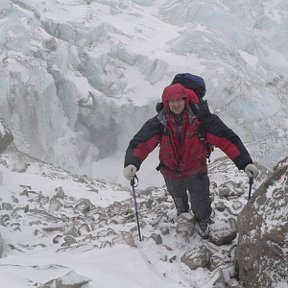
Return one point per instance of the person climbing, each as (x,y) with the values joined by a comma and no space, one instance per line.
(185,130)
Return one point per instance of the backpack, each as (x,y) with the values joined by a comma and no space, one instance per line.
(193,82)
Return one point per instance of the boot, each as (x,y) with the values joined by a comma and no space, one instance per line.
(203,228)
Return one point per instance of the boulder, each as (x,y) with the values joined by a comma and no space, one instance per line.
(70,280)
(262,252)
(197,257)
(223,232)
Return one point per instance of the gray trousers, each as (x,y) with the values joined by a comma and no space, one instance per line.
(198,188)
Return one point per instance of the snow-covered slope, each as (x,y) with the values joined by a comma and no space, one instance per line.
(78,78)
(55,225)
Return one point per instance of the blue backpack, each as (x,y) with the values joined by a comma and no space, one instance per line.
(190,81)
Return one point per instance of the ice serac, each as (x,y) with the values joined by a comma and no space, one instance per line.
(262,252)
(6,137)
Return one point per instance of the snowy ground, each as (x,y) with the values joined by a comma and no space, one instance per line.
(32,256)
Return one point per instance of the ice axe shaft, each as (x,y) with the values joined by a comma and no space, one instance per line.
(134,184)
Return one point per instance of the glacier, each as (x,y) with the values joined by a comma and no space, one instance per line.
(78,78)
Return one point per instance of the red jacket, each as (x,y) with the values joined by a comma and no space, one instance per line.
(180,158)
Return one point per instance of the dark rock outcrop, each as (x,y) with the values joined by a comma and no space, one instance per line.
(262,252)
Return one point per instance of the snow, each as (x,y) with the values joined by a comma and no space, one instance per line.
(99,265)
(109,268)
(250,59)
(35,259)
(116,57)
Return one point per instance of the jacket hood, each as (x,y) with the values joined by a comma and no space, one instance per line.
(177,91)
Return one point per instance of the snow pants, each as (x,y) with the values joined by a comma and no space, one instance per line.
(198,188)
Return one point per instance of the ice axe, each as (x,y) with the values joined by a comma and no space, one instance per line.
(134,183)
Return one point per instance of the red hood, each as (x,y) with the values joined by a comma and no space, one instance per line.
(177,91)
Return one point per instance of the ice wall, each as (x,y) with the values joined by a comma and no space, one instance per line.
(79,78)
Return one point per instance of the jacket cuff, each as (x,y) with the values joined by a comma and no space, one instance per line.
(242,161)
(134,162)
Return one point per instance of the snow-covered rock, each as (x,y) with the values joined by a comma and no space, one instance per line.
(262,252)
(197,257)
(70,280)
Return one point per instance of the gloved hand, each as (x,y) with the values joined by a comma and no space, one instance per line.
(251,170)
(130,171)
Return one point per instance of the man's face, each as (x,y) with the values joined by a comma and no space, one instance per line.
(177,106)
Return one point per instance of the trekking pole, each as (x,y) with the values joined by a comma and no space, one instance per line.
(134,184)
(250,187)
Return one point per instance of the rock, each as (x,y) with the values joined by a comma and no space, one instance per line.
(50,229)
(114,209)
(219,281)
(57,239)
(157,238)
(84,205)
(54,204)
(233,283)
(106,244)
(69,240)
(230,189)
(224,192)
(155,221)
(71,231)
(26,208)
(107,232)
(7,206)
(220,206)
(237,205)
(223,232)
(262,254)
(20,167)
(14,199)
(197,257)
(228,272)
(60,193)
(70,280)
(149,203)
(217,260)
(84,229)
(4,219)
(164,229)
(172,259)
(15,214)
(124,238)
